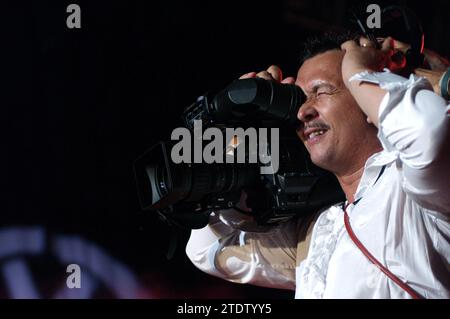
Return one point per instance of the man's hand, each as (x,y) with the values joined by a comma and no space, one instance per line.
(435,68)
(392,56)
(433,77)
(363,56)
(273,73)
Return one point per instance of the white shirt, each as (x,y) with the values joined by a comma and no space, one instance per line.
(402,218)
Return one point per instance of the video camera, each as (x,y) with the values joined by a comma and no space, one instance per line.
(186,193)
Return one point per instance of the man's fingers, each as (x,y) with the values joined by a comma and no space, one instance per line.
(436,62)
(249,75)
(366,43)
(288,80)
(422,72)
(396,59)
(265,75)
(275,72)
(401,46)
(388,46)
(432,76)
(348,45)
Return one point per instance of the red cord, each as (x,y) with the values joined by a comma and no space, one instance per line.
(373,260)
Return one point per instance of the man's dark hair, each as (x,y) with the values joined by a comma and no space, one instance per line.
(325,42)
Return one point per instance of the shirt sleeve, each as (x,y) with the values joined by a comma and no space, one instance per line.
(414,125)
(265,259)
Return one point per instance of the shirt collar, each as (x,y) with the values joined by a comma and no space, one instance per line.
(372,170)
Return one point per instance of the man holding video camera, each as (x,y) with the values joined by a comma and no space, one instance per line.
(386,139)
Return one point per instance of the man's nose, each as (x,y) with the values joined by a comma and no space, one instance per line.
(306,113)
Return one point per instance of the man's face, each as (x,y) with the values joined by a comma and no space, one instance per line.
(333,126)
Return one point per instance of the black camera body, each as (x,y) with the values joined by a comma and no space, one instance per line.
(183,192)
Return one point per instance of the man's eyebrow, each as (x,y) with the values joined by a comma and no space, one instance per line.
(317,85)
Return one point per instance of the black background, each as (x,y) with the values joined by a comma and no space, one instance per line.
(78,106)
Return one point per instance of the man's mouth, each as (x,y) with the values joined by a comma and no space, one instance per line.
(314,134)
